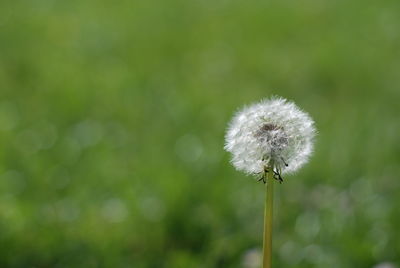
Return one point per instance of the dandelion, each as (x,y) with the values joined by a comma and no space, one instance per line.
(269,139)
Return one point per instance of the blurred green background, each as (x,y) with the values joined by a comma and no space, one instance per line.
(112,122)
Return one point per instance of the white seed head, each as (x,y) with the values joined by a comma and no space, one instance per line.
(272,133)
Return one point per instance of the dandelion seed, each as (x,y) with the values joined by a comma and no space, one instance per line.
(273,133)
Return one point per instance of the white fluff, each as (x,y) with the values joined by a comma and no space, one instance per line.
(271,133)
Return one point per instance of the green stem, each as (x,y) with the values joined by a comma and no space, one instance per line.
(269,200)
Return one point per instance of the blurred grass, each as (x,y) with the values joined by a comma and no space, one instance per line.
(112,117)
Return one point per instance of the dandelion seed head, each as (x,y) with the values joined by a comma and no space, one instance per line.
(272,133)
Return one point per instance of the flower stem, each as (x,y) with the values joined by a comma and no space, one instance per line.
(269,200)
